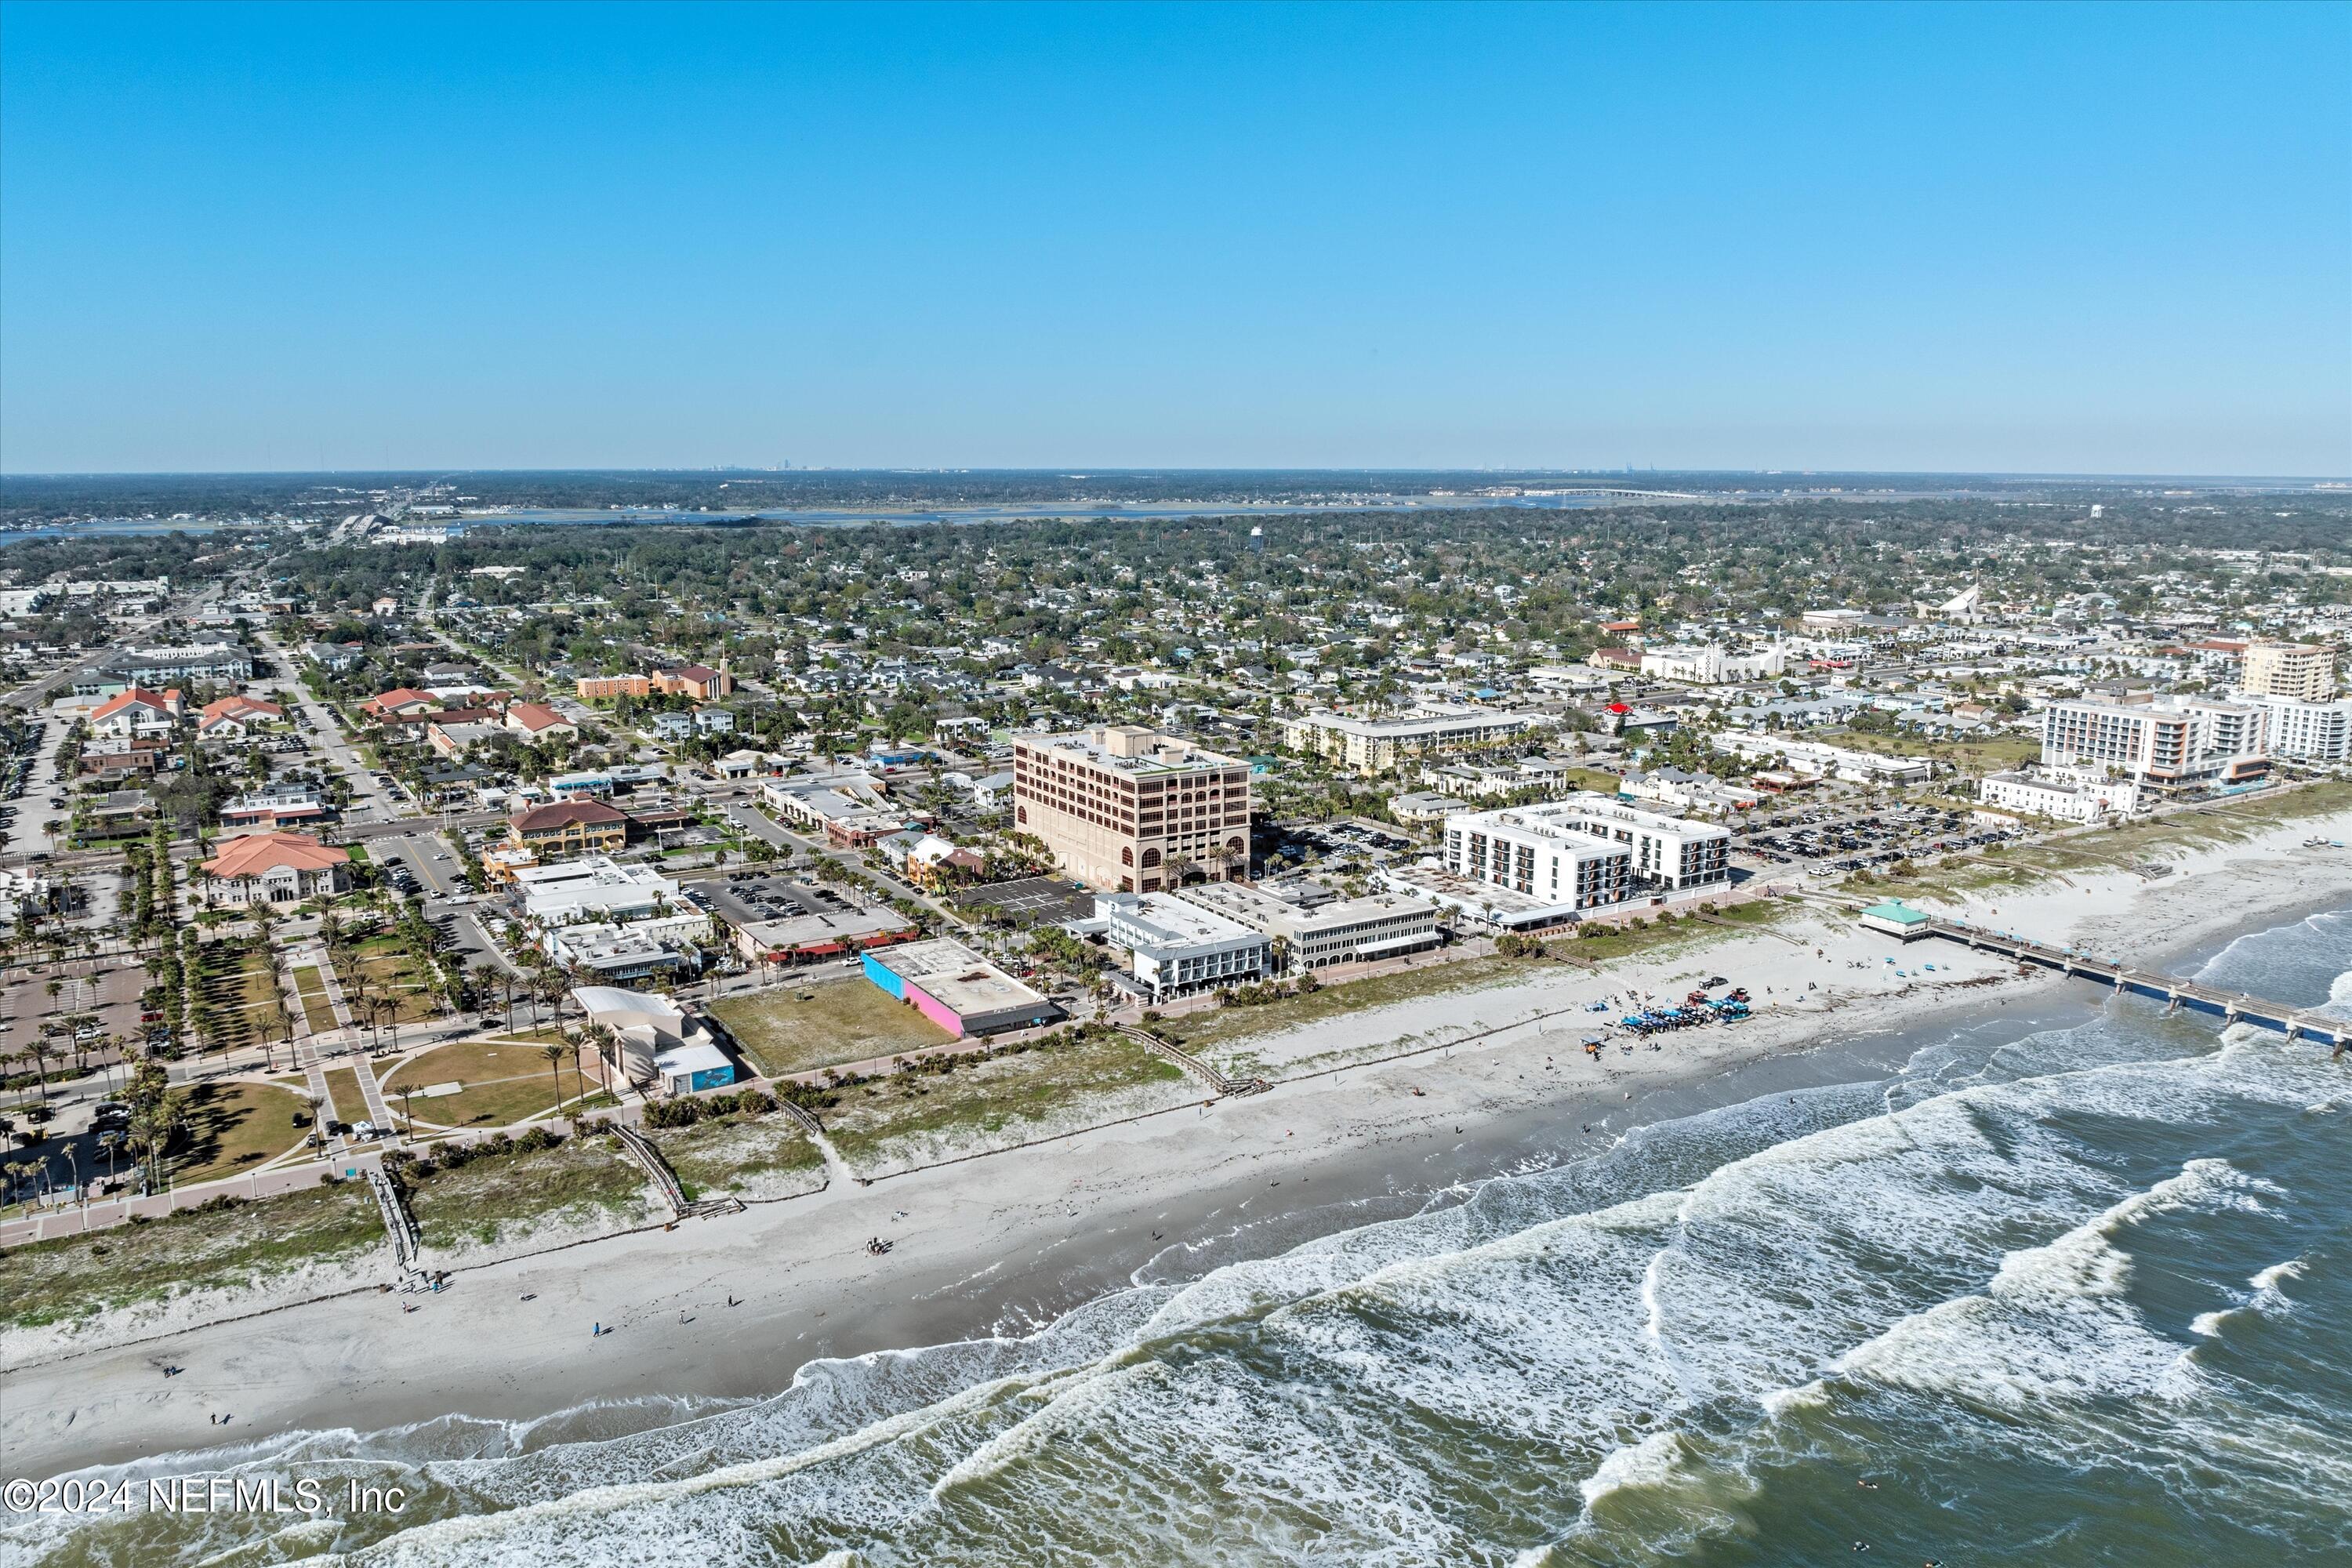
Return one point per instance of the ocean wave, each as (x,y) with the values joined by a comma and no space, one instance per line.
(1648,1463)
(2263,1298)
(2050,1323)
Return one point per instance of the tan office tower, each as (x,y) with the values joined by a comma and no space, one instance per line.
(2289,669)
(1126,808)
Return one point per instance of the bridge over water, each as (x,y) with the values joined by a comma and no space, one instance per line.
(2230,1007)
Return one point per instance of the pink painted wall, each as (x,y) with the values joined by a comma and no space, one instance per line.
(933,1010)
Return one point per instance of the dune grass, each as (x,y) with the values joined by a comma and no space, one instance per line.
(1008,1098)
(236,1243)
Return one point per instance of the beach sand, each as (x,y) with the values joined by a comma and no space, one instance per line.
(1005,1242)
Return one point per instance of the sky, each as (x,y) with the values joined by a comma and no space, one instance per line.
(2012,238)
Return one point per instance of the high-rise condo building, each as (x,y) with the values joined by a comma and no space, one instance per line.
(2304,670)
(1125,808)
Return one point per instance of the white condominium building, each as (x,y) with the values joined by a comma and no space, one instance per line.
(1587,851)
(2309,732)
(1179,946)
(1711,665)
(2302,670)
(2186,742)
(1378,745)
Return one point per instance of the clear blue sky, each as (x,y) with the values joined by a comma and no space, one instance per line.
(2020,237)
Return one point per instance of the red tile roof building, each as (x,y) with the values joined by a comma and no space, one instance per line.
(275,868)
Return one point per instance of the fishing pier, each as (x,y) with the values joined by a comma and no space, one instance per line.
(2230,1006)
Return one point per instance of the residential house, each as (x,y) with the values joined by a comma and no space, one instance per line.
(401,701)
(235,718)
(537,721)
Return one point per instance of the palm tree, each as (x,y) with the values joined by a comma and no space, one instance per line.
(578,1041)
(554,1052)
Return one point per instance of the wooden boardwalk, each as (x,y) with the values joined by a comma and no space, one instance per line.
(2230,1007)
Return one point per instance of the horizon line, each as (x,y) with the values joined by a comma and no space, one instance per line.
(1085,470)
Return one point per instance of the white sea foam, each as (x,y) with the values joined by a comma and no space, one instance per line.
(1647,1463)
(1779,1401)
(2050,1323)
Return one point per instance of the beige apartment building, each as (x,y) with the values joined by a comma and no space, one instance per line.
(1381,745)
(1125,808)
(2300,670)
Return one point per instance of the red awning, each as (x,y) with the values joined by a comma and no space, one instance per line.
(819,949)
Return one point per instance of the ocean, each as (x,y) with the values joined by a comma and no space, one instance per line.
(2050,1295)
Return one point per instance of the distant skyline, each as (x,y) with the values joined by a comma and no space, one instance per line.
(1903,240)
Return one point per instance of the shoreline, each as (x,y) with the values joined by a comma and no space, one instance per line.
(1003,1243)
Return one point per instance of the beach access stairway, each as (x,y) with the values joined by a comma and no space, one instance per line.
(399,1225)
(2231,1006)
(640,1148)
(1227,1087)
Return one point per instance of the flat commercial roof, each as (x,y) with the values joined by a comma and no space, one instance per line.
(957,978)
(682,1060)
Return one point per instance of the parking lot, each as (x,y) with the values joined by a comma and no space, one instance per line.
(1031,901)
(109,997)
(1291,845)
(419,862)
(1826,839)
(745,898)
(24,744)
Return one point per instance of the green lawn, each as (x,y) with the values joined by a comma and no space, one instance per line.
(1012,1096)
(504,1084)
(56,1281)
(495,1199)
(316,1010)
(238,982)
(764,1156)
(344,1087)
(380,967)
(1976,754)
(235,1127)
(841,1021)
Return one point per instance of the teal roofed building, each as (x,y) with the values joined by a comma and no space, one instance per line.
(1896,919)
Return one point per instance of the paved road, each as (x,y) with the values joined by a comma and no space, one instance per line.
(370,800)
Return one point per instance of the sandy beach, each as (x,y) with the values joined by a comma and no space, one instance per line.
(1000,1243)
